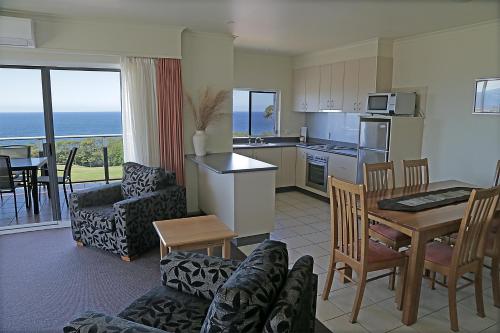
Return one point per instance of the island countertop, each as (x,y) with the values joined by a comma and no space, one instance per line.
(230,163)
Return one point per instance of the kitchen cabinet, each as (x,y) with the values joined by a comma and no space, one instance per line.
(244,152)
(331,89)
(360,78)
(342,167)
(288,160)
(271,156)
(300,168)
(306,83)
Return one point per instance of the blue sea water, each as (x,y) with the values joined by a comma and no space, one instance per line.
(260,125)
(23,124)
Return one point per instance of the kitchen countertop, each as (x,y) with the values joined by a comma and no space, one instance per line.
(353,152)
(230,163)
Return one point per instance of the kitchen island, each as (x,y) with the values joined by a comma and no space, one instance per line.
(240,191)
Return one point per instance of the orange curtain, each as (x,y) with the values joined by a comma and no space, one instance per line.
(170,127)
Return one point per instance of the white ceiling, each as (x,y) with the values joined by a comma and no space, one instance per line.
(284,26)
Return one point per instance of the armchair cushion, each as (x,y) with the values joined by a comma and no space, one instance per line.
(292,309)
(139,179)
(169,310)
(195,273)
(100,217)
(243,302)
(94,322)
(96,196)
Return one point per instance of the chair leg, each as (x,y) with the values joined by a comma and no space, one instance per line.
(25,188)
(329,276)
(15,205)
(359,296)
(452,302)
(65,194)
(478,285)
(71,186)
(392,279)
(495,281)
(400,291)
(432,281)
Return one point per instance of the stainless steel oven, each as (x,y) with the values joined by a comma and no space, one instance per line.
(317,172)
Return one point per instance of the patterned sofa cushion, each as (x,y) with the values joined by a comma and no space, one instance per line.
(288,306)
(243,302)
(139,179)
(169,310)
(99,217)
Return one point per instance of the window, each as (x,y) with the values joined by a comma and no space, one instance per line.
(487,99)
(255,113)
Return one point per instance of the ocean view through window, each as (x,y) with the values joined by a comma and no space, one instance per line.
(86,113)
(255,113)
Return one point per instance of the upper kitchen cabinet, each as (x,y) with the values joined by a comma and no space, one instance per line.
(306,83)
(331,87)
(360,79)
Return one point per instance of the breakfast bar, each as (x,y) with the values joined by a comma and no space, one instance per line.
(240,191)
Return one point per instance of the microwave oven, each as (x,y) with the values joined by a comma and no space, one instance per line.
(394,104)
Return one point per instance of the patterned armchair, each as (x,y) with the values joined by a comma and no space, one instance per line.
(118,217)
(209,294)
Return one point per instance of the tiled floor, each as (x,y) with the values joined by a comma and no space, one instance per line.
(26,216)
(303,223)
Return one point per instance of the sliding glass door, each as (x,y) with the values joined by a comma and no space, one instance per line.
(71,119)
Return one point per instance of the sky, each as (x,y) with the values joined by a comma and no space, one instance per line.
(259,101)
(72,91)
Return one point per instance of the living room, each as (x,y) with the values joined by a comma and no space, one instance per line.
(226,131)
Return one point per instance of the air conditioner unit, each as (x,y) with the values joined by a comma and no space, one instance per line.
(16,32)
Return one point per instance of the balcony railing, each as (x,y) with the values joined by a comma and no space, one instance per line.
(98,158)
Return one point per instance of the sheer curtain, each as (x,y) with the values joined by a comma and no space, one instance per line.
(139,111)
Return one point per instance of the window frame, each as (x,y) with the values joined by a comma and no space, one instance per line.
(277,103)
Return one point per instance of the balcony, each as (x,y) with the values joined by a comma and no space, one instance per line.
(98,160)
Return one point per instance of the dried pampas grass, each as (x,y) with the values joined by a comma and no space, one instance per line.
(209,105)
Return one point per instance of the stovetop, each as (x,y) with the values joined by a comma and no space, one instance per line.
(331,148)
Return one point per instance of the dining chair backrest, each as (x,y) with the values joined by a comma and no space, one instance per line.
(6,180)
(496,181)
(349,219)
(416,172)
(16,151)
(69,163)
(470,243)
(378,176)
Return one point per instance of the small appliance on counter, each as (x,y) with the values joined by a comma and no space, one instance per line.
(303,134)
(393,104)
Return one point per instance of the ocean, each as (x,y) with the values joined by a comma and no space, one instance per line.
(22,124)
(260,125)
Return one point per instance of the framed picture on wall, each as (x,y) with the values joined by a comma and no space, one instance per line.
(487,96)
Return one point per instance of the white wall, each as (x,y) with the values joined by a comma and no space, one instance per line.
(459,145)
(207,60)
(265,71)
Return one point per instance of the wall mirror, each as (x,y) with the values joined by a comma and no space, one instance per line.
(487,96)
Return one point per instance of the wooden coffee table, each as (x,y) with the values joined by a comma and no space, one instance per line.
(193,233)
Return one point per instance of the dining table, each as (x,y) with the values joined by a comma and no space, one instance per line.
(422,226)
(31,166)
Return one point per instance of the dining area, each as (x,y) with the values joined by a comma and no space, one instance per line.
(421,235)
(23,178)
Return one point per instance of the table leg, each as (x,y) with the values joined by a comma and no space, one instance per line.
(34,190)
(226,249)
(414,278)
(164,250)
(209,251)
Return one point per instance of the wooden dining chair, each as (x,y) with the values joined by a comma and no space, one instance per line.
(7,184)
(416,172)
(468,253)
(351,244)
(379,177)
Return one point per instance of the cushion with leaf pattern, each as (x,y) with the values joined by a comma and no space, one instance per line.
(286,314)
(243,302)
(139,179)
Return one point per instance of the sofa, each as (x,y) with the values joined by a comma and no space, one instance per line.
(200,293)
(118,217)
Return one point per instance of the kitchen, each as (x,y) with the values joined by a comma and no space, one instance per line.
(328,96)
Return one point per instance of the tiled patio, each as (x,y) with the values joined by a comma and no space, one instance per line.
(26,216)
(303,223)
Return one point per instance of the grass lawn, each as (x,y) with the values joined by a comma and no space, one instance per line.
(82,173)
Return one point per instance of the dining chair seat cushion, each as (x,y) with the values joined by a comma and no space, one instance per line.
(389,232)
(378,253)
(140,179)
(99,217)
(439,253)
